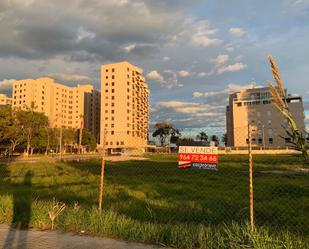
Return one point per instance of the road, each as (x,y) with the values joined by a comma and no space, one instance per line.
(32,239)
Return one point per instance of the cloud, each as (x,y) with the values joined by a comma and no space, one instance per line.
(222,95)
(154,75)
(6,85)
(129,48)
(184,73)
(189,114)
(221,59)
(237,31)
(197,94)
(70,77)
(232,68)
(166,58)
(166,79)
(91,28)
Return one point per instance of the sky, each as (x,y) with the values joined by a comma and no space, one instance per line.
(194,53)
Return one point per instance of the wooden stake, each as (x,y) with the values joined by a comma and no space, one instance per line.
(251,178)
(102,173)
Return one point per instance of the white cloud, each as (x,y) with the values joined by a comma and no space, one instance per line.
(197,94)
(232,68)
(166,58)
(229,49)
(167,78)
(184,73)
(154,75)
(222,58)
(223,94)
(129,48)
(201,35)
(70,77)
(237,31)
(6,85)
(204,41)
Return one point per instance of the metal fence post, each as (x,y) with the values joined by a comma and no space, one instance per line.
(251,177)
(102,172)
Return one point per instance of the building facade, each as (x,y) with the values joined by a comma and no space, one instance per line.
(69,107)
(124,107)
(255,107)
(5,100)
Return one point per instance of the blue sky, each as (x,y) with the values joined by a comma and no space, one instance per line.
(194,53)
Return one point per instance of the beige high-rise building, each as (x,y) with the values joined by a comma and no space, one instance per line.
(255,107)
(69,107)
(5,100)
(124,107)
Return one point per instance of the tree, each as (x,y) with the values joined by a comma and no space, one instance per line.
(298,138)
(165,130)
(215,139)
(89,140)
(224,139)
(202,136)
(185,141)
(31,122)
(69,138)
(11,132)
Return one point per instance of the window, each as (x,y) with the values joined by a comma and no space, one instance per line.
(113,69)
(113,97)
(113,83)
(112,132)
(260,140)
(113,90)
(113,76)
(106,70)
(113,111)
(269,122)
(268,113)
(239,104)
(271,140)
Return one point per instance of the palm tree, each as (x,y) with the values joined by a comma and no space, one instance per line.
(202,136)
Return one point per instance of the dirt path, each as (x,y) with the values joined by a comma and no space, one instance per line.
(31,239)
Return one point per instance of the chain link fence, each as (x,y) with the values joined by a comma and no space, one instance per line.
(146,185)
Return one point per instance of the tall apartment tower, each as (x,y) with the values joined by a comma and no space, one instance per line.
(5,100)
(124,107)
(69,107)
(255,107)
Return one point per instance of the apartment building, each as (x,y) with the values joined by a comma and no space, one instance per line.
(124,107)
(255,107)
(69,107)
(5,100)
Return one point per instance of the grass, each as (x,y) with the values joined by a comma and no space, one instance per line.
(153,201)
